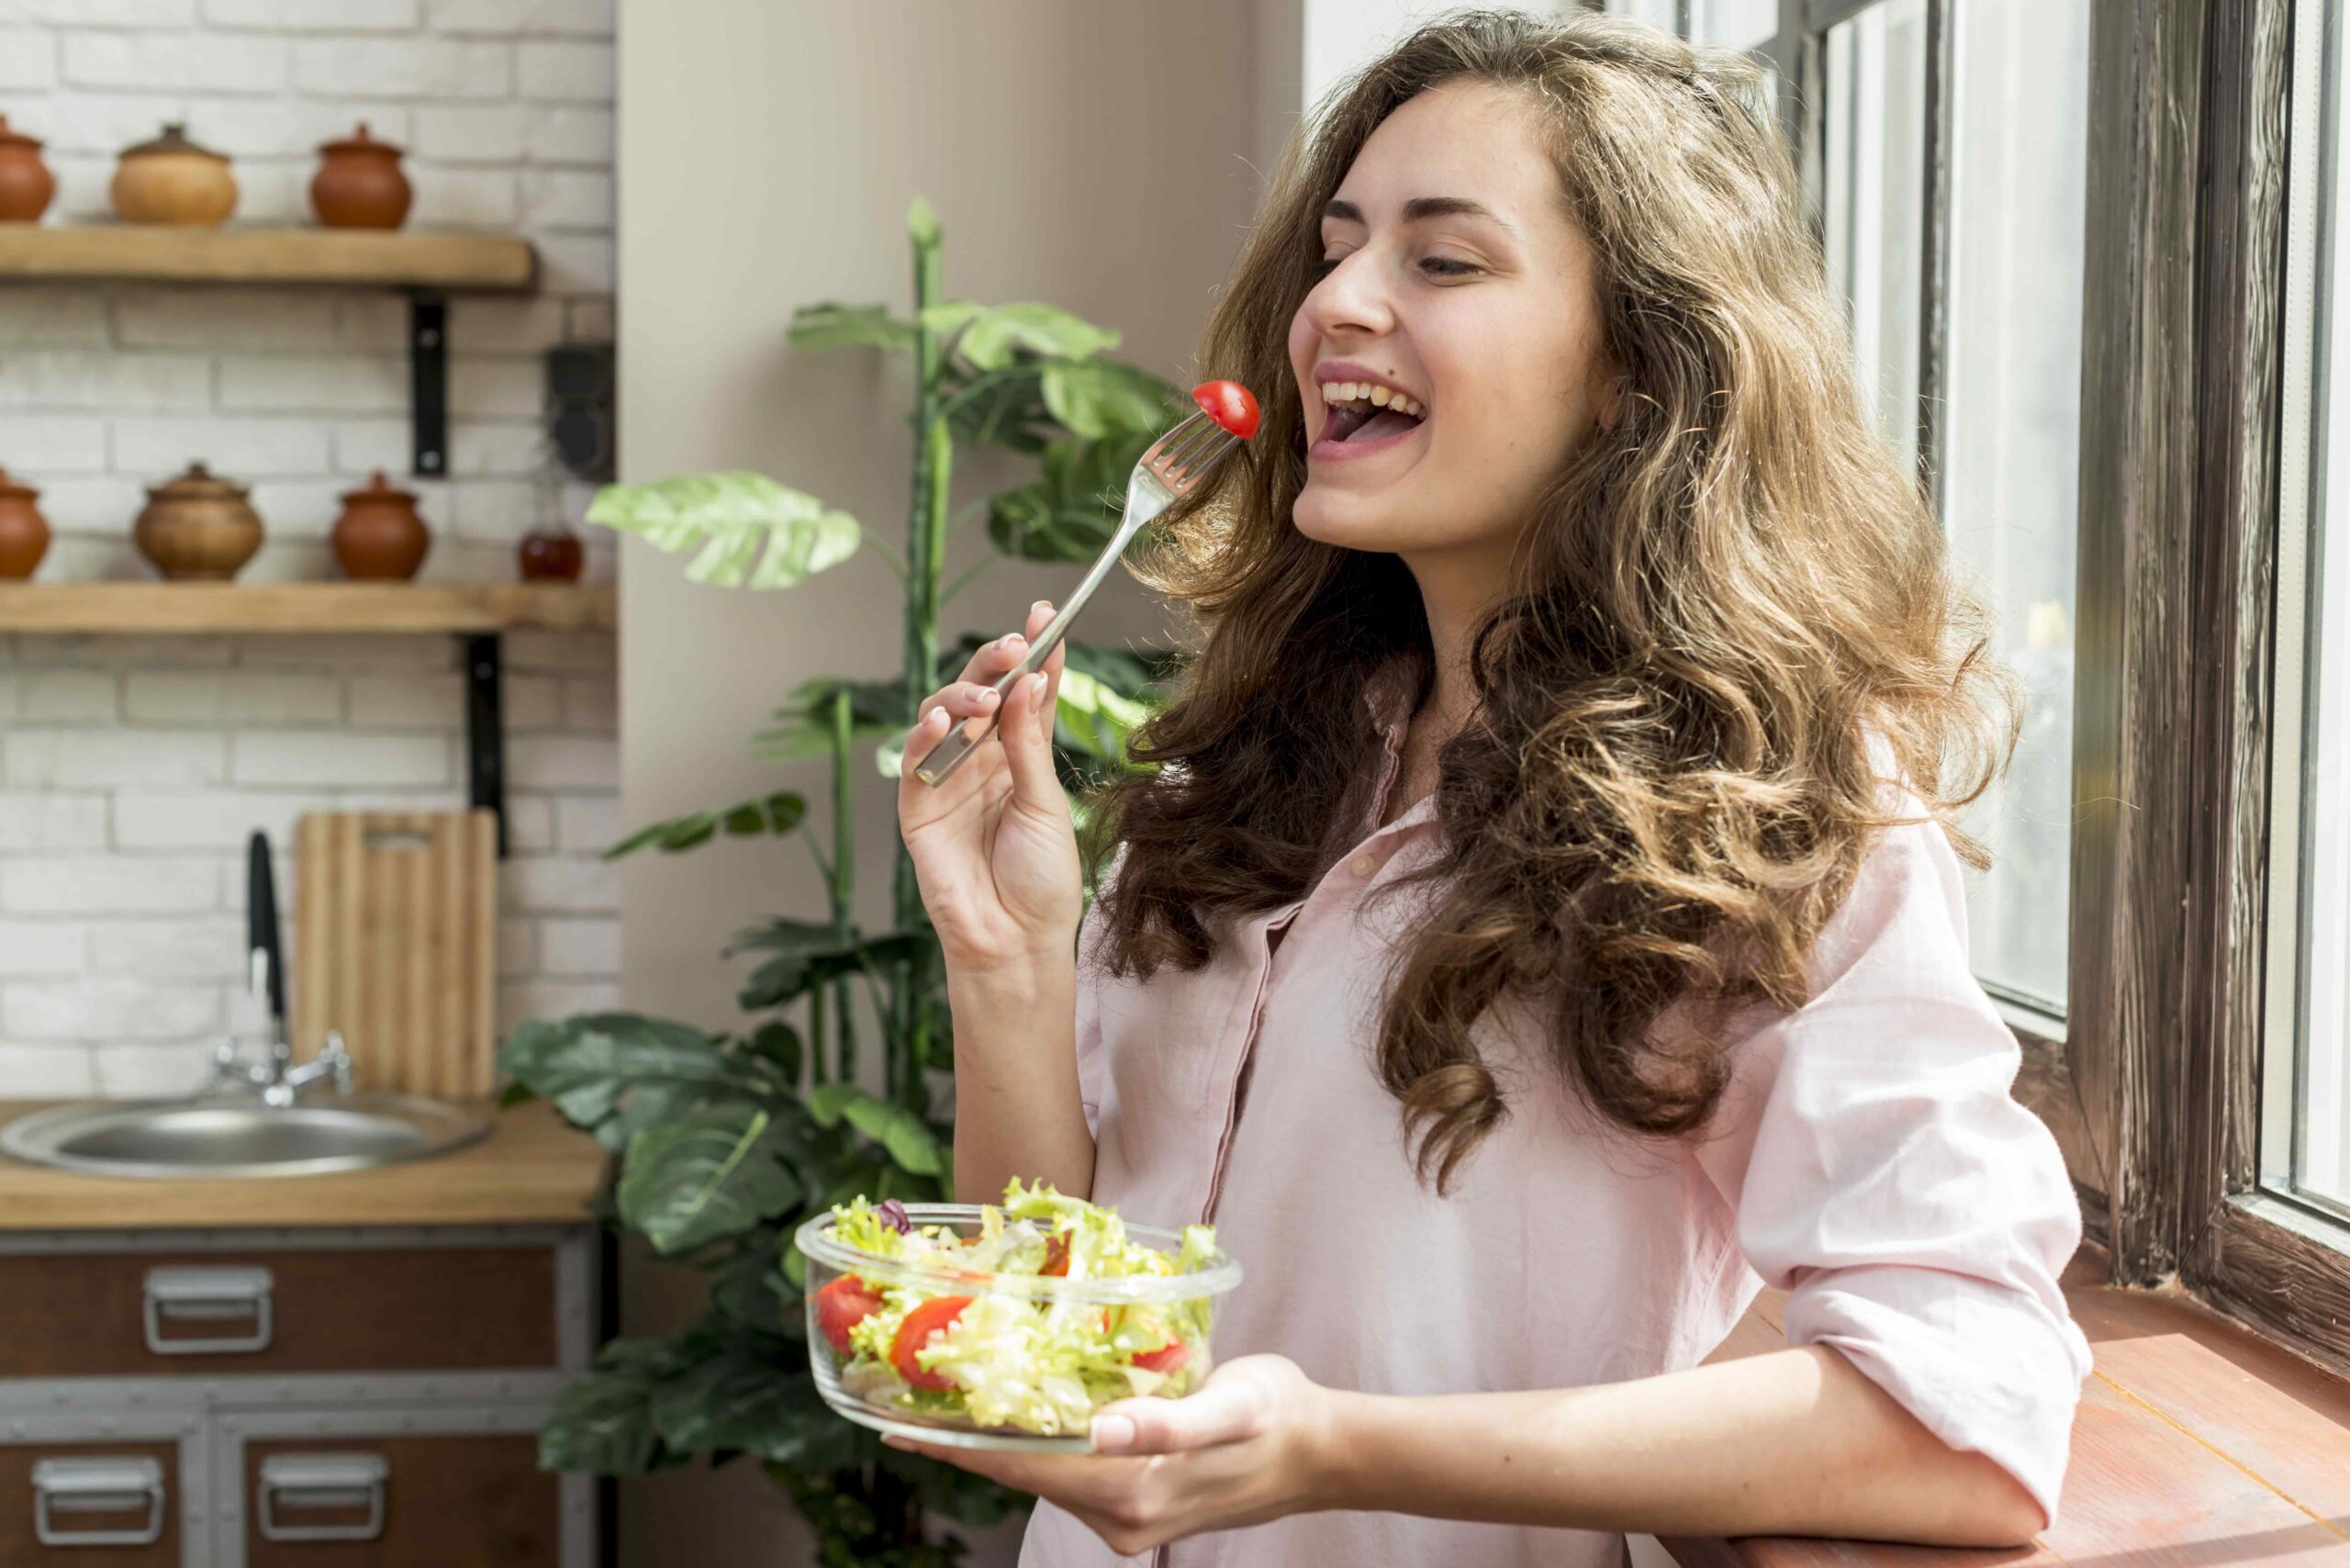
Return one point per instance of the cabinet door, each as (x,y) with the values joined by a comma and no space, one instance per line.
(396,1309)
(103,1504)
(400,1502)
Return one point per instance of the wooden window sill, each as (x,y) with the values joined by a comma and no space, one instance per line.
(2197,1443)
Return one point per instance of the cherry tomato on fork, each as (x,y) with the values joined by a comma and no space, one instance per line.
(1229,404)
(930,1318)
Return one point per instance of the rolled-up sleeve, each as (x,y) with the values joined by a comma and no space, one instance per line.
(1882,1172)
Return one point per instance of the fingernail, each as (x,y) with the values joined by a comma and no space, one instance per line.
(987,696)
(1015,640)
(1041,604)
(1112,1434)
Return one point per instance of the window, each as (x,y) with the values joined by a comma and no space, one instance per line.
(1874,123)
(2305,1131)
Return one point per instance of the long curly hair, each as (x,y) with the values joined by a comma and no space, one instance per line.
(1723,603)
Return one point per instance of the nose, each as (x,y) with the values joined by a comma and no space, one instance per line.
(1351,300)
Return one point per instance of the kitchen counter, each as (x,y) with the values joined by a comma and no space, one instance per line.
(533,1168)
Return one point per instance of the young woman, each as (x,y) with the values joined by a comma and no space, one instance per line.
(1542,926)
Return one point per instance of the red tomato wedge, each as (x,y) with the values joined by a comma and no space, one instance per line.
(841,1306)
(1229,404)
(1165,1359)
(914,1333)
(1055,1256)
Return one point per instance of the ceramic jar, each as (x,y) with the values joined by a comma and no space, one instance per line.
(359,184)
(379,537)
(24,532)
(198,526)
(172,180)
(25,184)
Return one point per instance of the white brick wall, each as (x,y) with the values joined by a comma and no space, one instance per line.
(505,108)
(132,768)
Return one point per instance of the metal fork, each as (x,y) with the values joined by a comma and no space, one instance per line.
(1172,468)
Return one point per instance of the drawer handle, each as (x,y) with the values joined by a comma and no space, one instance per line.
(207,1295)
(64,1486)
(321,1480)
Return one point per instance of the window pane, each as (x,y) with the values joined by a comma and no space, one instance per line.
(1734,24)
(1875,103)
(2305,1054)
(2012,440)
(1665,14)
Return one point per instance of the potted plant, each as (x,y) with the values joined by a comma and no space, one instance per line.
(727,1142)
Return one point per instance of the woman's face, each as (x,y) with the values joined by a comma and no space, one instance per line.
(1453,279)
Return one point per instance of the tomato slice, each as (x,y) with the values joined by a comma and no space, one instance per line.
(1056,1256)
(1165,1359)
(841,1306)
(915,1332)
(1229,404)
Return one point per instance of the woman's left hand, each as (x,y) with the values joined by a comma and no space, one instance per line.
(1246,1448)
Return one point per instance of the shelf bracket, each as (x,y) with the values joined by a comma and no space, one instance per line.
(485,730)
(428,360)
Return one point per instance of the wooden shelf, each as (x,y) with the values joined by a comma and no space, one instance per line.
(294,607)
(457,264)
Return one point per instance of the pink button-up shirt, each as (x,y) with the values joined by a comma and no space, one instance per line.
(1868,1158)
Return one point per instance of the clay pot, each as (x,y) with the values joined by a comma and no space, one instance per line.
(359,184)
(172,180)
(551,556)
(24,532)
(25,184)
(198,526)
(379,538)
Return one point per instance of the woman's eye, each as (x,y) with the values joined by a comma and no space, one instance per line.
(1445,266)
(1325,266)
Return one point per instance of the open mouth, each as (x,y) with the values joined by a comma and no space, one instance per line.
(1361,414)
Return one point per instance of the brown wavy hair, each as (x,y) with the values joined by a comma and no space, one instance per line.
(1667,788)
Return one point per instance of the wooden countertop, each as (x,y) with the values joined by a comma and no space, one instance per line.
(530,1170)
(2197,1442)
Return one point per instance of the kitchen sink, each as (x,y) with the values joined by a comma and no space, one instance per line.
(239,1135)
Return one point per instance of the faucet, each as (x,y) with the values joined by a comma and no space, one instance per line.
(278,1078)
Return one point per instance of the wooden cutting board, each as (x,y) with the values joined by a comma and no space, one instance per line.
(396,946)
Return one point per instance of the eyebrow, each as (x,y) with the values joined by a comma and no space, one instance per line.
(1420,209)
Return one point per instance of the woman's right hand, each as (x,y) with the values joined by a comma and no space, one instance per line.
(992,844)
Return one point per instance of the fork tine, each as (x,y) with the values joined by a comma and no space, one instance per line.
(1181,433)
(1183,482)
(1196,445)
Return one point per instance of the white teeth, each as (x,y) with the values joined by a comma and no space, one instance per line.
(1337,392)
(1382,395)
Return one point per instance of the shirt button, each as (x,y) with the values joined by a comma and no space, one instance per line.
(1364,865)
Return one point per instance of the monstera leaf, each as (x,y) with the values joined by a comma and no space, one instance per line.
(803,725)
(1099,398)
(745,530)
(611,1074)
(1071,509)
(715,1172)
(779,813)
(816,327)
(986,337)
(906,1136)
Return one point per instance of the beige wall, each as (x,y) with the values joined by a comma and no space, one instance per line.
(1099,154)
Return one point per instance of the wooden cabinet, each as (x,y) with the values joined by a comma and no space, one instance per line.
(105,1315)
(289,1400)
(93,1505)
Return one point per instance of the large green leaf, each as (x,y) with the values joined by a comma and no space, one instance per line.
(1100,398)
(816,327)
(774,813)
(806,955)
(612,1073)
(740,1401)
(745,528)
(986,337)
(716,1171)
(1071,509)
(750,1290)
(1001,408)
(601,1424)
(906,1136)
(803,725)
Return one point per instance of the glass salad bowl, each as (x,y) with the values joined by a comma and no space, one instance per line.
(1004,1327)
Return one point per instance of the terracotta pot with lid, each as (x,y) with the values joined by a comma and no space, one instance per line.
(172,180)
(24,532)
(197,528)
(359,184)
(25,184)
(379,537)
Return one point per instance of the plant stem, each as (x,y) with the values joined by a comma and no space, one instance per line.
(925,557)
(844,869)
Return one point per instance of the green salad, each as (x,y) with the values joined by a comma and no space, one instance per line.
(958,1349)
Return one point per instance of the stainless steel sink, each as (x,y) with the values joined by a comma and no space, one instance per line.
(235,1135)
